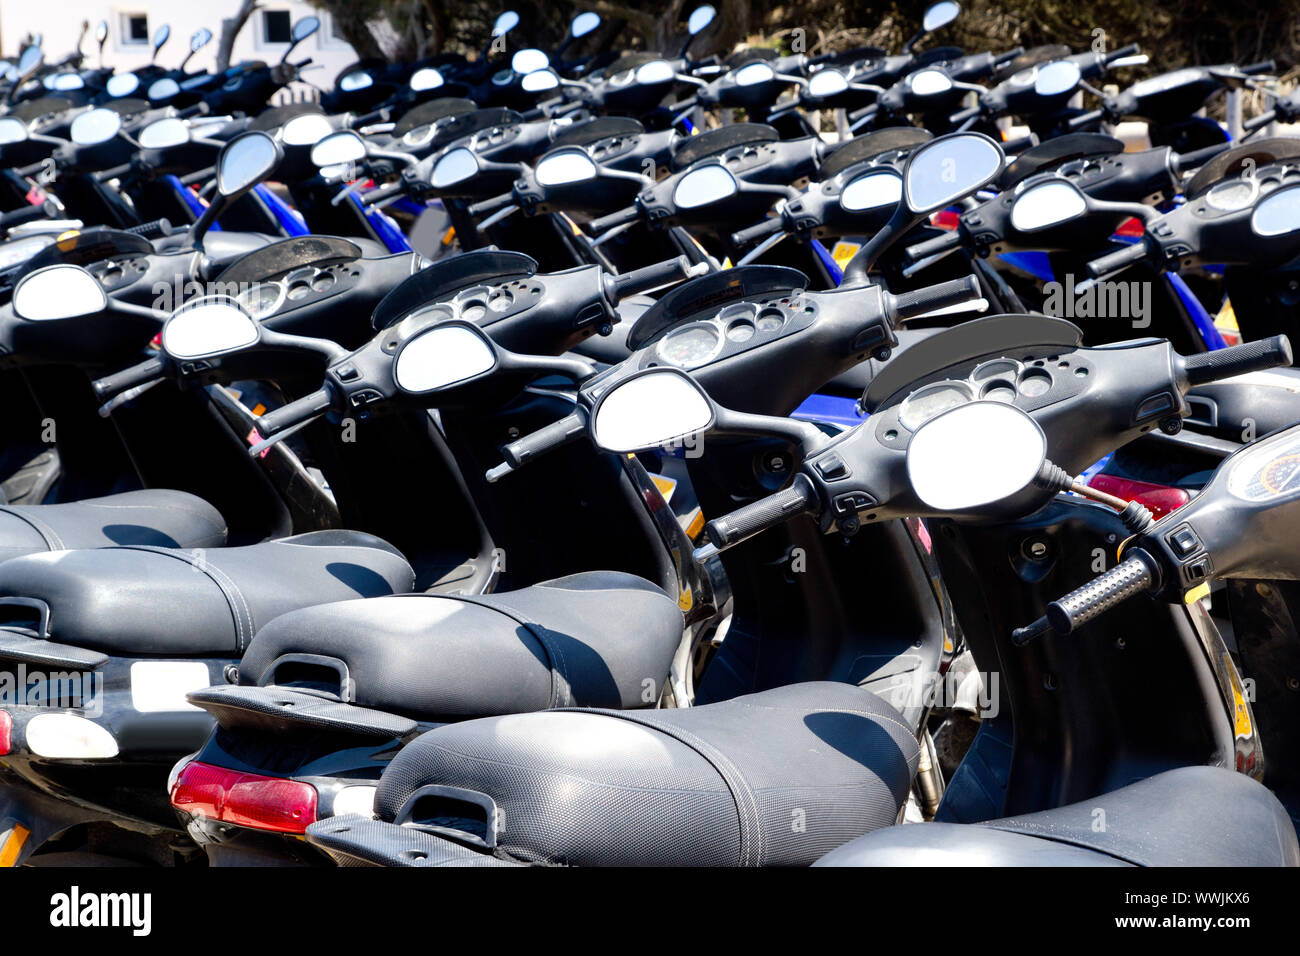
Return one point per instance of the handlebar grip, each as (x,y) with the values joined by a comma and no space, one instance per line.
(110,385)
(1113,262)
(490,205)
(1199,157)
(759,231)
(113,172)
(911,304)
(1014,147)
(156,229)
(1263,66)
(652,277)
(1007,57)
(1207,367)
(1131,576)
(605,223)
(555,435)
(17,217)
(1083,119)
(296,412)
(932,247)
(799,498)
(383,192)
(1131,50)
(1255,122)
(962,116)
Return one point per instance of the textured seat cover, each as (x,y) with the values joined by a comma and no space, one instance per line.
(1192,816)
(776,778)
(165,519)
(596,639)
(140,601)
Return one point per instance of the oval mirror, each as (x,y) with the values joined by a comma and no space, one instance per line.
(1047,204)
(973,455)
(505,23)
(426,79)
(564,166)
(457,166)
(940,15)
(356,80)
(163,89)
(650,410)
(945,169)
(30,59)
(12,130)
(656,71)
(529,60)
(305,28)
(930,82)
(872,190)
(245,160)
(64,82)
(123,84)
(101,32)
(306,129)
(539,81)
(96,126)
(1277,213)
(338,149)
(702,186)
(442,356)
(161,36)
(202,37)
(751,74)
(160,134)
(827,83)
(583,24)
(700,18)
(58,292)
(1056,79)
(208,327)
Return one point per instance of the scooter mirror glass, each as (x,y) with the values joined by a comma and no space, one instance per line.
(583,24)
(202,37)
(58,292)
(356,80)
(1053,79)
(930,83)
(338,148)
(827,83)
(163,89)
(974,454)
(702,186)
(529,61)
(96,126)
(101,32)
(505,23)
(1277,213)
(307,129)
(305,28)
(245,160)
(161,36)
(208,327)
(123,84)
(12,130)
(442,356)
(163,133)
(945,169)
(871,191)
(700,18)
(656,71)
(64,82)
(30,59)
(940,15)
(650,410)
(539,81)
(1047,204)
(566,166)
(426,79)
(457,166)
(751,74)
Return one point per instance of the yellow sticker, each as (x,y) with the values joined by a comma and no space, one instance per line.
(844,252)
(1241,725)
(1227,317)
(1196,593)
(13,845)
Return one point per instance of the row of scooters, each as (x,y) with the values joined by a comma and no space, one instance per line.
(857,484)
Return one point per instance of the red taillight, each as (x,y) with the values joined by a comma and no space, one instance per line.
(1158,499)
(6,731)
(1131,228)
(945,219)
(245,799)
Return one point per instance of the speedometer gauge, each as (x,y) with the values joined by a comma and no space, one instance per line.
(1268,472)
(923,404)
(691,345)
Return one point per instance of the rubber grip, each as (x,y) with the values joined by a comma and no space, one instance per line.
(1007,57)
(931,247)
(962,116)
(1131,576)
(1267,353)
(1116,261)
(1255,122)
(152,230)
(555,435)
(759,231)
(17,217)
(651,277)
(799,498)
(605,223)
(1083,119)
(911,304)
(1131,50)
(299,410)
(1263,66)
(110,385)
(490,205)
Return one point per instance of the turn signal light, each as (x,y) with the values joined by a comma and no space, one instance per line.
(244,799)
(6,731)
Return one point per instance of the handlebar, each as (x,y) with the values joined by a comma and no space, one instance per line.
(1131,50)
(1113,262)
(911,304)
(1199,157)
(1263,66)
(555,435)
(27,214)
(744,523)
(1083,119)
(762,230)
(1213,366)
(652,277)
(156,229)
(962,116)
(383,192)
(1255,122)
(1134,575)
(1004,58)
(110,385)
(932,247)
(490,205)
(295,413)
(605,223)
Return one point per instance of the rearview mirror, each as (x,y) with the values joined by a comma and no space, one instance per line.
(304,28)
(58,292)
(441,356)
(539,81)
(939,15)
(338,149)
(973,455)
(656,71)
(29,61)
(751,74)
(1277,213)
(1054,79)
(161,36)
(583,24)
(827,83)
(163,89)
(457,166)
(700,187)
(306,129)
(1047,204)
(163,133)
(930,83)
(123,84)
(700,18)
(94,127)
(246,160)
(505,23)
(872,190)
(649,410)
(207,328)
(201,38)
(425,79)
(101,33)
(356,80)
(563,167)
(12,130)
(529,61)
(947,168)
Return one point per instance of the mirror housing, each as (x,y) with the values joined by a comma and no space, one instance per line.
(243,162)
(974,455)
